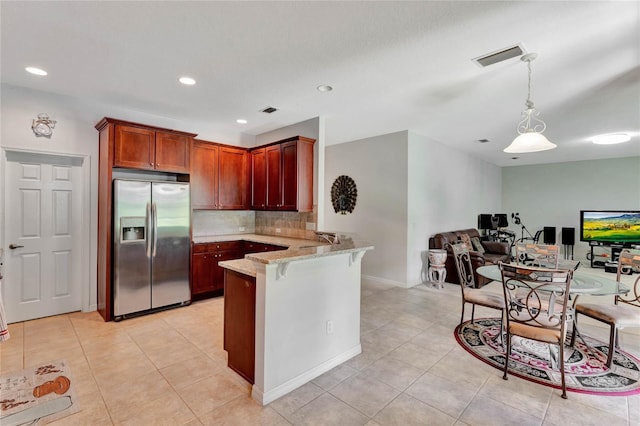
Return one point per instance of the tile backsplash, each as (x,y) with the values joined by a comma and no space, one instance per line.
(222,222)
(290,224)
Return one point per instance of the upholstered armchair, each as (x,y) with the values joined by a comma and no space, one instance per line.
(481,252)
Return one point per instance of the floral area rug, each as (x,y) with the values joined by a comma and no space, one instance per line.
(37,395)
(585,369)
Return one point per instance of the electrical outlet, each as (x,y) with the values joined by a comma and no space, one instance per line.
(311,226)
(278,230)
(241,229)
(329,327)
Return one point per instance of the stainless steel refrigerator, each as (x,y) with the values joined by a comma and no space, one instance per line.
(151,246)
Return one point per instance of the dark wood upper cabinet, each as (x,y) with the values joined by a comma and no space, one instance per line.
(274,177)
(233,189)
(258,179)
(204,175)
(172,152)
(282,175)
(219,177)
(135,147)
(147,148)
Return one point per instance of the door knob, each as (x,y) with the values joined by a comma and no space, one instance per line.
(14,246)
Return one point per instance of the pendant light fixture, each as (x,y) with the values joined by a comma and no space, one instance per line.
(530,129)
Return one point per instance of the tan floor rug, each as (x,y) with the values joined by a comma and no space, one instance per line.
(37,395)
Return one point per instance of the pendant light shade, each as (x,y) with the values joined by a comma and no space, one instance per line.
(529,142)
(530,129)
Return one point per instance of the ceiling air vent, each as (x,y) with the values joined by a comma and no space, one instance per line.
(499,56)
(270,110)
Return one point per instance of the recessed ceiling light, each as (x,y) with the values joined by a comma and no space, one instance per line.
(611,138)
(35,71)
(324,88)
(187,81)
(241,121)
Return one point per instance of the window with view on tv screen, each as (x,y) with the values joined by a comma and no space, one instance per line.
(610,226)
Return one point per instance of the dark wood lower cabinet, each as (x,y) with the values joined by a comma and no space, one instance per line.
(240,323)
(207,277)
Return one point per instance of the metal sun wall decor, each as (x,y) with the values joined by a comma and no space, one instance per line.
(343,194)
(43,126)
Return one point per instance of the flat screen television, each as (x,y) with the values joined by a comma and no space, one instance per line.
(610,226)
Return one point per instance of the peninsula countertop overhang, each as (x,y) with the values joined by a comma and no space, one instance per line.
(297,249)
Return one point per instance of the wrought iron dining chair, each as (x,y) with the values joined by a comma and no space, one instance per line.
(541,255)
(625,312)
(471,294)
(536,307)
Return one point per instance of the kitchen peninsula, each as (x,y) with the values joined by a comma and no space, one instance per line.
(306,311)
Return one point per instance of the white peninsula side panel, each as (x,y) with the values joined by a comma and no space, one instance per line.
(307,320)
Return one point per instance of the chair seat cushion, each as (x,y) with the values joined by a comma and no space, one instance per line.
(546,335)
(483,298)
(621,315)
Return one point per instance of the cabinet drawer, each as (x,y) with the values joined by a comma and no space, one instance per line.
(252,247)
(223,245)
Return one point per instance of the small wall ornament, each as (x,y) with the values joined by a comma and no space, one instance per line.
(343,194)
(43,126)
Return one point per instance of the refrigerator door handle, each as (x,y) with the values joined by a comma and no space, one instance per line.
(147,225)
(154,210)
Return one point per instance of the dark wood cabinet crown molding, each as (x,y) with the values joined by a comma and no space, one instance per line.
(108,120)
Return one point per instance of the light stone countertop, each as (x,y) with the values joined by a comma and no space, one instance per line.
(298,249)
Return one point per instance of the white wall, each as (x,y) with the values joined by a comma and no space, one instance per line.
(447,189)
(409,188)
(554,194)
(294,301)
(378,165)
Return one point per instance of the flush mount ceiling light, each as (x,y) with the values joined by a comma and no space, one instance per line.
(241,121)
(324,88)
(187,81)
(35,71)
(611,139)
(531,127)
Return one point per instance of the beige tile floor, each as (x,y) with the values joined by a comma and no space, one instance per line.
(169,369)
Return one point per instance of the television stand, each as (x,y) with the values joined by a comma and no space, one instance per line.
(607,254)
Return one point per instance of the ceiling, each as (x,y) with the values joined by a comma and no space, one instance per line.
(393,66)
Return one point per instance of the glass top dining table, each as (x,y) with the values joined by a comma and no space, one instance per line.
(581,283)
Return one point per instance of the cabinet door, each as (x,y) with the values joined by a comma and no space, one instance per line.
(172,152)
(232,189)
(274,177)
(218,271)
(201,273)
(134,148)
(204,175)
(288,152)
(258,179)
(239,323)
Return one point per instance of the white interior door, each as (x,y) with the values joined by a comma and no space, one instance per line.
(43,223)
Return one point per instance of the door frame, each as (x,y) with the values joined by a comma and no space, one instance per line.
(87,263)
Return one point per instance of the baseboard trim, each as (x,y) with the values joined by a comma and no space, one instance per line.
(265,398)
